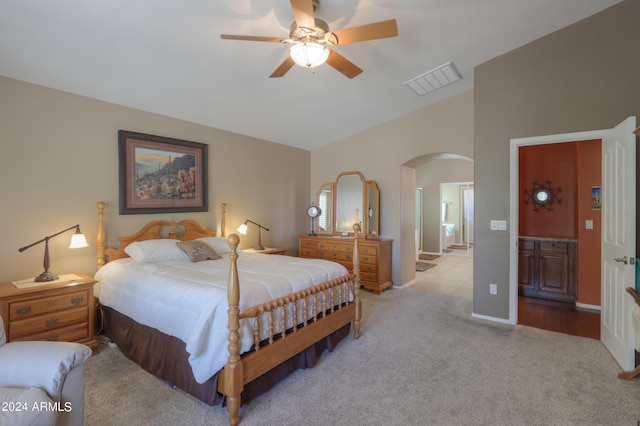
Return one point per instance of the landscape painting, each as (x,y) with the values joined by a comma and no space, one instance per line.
(161,175)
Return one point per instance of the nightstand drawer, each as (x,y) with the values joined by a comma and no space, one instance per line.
(29,308)
(47,322)
(72,333)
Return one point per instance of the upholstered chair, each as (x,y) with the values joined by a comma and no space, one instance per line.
(41,382)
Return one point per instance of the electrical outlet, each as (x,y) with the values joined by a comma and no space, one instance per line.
(493,288)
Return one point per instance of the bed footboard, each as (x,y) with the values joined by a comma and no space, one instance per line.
(291,324)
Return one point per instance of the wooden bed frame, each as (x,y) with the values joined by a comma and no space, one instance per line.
(628,375)
(338,309)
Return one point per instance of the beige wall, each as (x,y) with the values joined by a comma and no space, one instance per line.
(59,156)
(583,77)
(380,153)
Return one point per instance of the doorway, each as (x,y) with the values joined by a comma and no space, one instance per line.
(618,231)
(456,218)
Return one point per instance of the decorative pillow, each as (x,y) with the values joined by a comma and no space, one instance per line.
(198,251)
(219,244)
(151,251)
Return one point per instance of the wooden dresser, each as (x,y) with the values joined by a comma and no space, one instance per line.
(51,312)
(375,257)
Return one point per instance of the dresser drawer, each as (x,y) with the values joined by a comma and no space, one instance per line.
(334,255)
(47,322)
(364,259)
(526,245)
(555,246)
(44,305)
(308,252)
(337,247)
(73,333)
(370,278)
(368,250)
(368,268)
(306,244)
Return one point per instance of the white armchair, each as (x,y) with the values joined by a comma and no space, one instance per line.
(41,382)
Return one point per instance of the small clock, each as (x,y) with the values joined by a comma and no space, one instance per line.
(313,211)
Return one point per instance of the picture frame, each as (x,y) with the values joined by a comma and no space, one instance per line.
(161,175)
(596,198)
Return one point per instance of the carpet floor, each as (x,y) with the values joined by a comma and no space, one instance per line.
(422,359)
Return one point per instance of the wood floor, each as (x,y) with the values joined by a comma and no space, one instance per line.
(558,316)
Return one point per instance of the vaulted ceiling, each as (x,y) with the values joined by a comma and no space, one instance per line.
(167,57)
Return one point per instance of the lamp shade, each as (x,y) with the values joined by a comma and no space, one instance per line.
(78,241)
(309,55)
(242,229)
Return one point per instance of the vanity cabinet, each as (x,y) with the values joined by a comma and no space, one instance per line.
(375,257)
(547,268)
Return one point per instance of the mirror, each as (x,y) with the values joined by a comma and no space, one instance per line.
(349,202)
(350,199)
(373,206)
(325,203)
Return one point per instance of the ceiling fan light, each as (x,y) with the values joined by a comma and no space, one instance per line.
(309,55)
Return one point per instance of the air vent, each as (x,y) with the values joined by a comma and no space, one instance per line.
(434,79)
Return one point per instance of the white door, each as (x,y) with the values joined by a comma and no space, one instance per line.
(618,240)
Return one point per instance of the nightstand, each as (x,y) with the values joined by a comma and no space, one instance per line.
(60,311)
(268,250)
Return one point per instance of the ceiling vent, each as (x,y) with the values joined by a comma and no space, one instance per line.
(434,79)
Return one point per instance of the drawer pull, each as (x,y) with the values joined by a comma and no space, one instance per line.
(52,338)
(52,303)
(23,311)
(52,322)
(77,300)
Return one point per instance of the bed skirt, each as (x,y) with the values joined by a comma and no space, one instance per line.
(165,357)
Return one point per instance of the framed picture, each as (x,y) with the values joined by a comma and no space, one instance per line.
(161,175)
(596,198)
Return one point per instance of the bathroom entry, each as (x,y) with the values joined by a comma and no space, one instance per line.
(456,218)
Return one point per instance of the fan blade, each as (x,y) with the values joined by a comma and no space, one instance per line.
(343,65)
(374,31)
(250,38)
(283,68)
(303,12)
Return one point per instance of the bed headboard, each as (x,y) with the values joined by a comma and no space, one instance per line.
(184,230)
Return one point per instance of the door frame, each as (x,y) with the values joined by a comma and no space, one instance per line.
(514,198)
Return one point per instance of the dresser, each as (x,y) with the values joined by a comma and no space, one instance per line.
(60,311)
(375,257)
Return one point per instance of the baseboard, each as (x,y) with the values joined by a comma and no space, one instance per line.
(494,319)
(586,306)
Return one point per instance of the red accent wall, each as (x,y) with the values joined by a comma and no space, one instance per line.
(589,241)
(555,163)
(574,167)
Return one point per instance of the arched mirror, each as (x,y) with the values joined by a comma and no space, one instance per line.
(350,199)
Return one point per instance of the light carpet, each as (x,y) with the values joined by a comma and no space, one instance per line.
(422,359)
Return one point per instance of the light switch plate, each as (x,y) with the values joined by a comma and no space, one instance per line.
(498,225)
(589,224)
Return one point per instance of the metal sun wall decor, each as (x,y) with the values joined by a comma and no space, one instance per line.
(542,196)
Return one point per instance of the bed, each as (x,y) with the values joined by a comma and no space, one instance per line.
(222,330)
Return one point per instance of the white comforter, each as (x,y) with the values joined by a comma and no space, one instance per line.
(189,300)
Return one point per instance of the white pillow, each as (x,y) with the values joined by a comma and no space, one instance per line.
(219,244)
(151,251)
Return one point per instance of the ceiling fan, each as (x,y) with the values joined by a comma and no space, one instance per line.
(312,41)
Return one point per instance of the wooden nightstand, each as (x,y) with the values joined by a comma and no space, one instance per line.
(61,311)
(268,250)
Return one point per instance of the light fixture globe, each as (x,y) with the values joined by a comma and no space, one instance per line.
(309,54)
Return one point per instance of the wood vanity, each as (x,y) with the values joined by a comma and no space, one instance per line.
(547,268)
